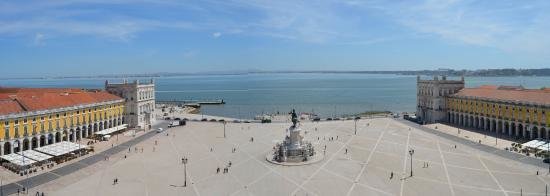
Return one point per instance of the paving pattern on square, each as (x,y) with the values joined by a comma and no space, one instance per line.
(380,147)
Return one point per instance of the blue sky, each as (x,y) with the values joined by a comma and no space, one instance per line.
(87,37)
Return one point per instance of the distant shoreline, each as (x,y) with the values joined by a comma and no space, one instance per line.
(448,72)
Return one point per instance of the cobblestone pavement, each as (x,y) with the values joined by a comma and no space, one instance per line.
(380,148)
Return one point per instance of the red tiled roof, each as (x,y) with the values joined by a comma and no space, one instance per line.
(507,93)
(9,107)
(34,99)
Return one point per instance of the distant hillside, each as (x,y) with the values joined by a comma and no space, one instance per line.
(447,72)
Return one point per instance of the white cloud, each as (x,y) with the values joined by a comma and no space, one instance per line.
(515,26)
(216,34)
(38,39)
(189,54)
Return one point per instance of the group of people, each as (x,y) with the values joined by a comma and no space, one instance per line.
(225,169)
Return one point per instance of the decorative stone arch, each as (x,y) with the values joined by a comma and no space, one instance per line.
(17,146)
(65,135)
(7,148)
(84,131)
(58,136)
(481,123)
(26,144)
(70,135)
(34,143)
(43,140)
(50,138)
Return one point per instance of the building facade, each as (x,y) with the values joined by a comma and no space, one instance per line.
(30,118)
(140,101)
(514,111)
(431,106)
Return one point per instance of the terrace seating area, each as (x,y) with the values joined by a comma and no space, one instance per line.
(29,160)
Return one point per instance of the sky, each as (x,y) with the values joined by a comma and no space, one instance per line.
(89,37)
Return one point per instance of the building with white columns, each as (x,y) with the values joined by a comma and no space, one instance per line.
(431,95)
(34,117)
(140,101)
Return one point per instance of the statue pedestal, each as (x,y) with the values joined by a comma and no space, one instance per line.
(294,150)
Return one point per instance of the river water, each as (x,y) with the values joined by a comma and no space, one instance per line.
(325,94)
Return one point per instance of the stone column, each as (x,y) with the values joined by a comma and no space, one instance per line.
(11,147)
(37,141)
(2,147)
(485,124)
(80,134)
(74,135)
(491,125)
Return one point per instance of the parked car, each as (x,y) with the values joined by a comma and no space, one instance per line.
(160,130)
(204,119)
(317,119)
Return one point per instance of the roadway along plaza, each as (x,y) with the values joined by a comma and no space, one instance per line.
(380,147)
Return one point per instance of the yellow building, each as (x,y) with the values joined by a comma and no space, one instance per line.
(514,111)
(32,117)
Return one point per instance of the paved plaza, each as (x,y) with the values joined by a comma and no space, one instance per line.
(380,147)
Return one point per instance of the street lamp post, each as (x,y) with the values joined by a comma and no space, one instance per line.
(224,128)
(411,152)
(355,126)
(185,171)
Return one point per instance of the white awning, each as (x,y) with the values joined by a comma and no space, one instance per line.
(112,129)
(35,155)
(534,144)
(17,159)
(60,148)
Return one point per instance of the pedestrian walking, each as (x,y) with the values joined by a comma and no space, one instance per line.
(346,151)
(391,175)
(218,170)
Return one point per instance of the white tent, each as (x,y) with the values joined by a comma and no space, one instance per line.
(17,159)
(535,144)
(60,148)
(112,129)
(34,155)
